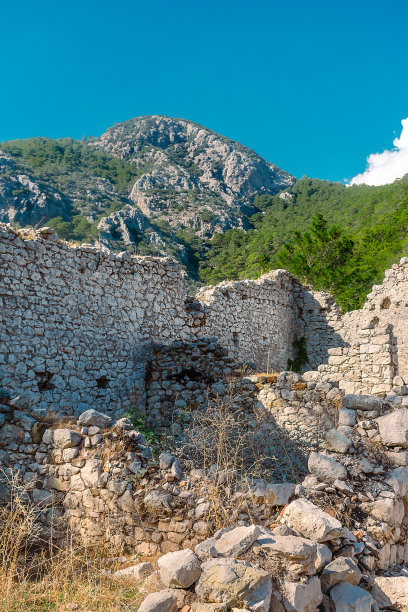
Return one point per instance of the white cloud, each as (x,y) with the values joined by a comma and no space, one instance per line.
(388,166)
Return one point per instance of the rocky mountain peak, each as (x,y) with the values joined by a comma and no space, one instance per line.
(189,175)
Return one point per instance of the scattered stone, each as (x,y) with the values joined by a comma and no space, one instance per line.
(235,583)
(302,596)
(341,569)
(139,571)
(393,428)
(95,418)
(346,597)
(391,592)
(228,542)
(66,438)
(311,521)
(337,442)
(163,601)
(299,554)
(179,569)
(326,468)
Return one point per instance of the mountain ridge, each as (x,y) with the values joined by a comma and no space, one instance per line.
(184,182)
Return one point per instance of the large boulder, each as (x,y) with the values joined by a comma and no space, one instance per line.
(302,596)
(228,542)
(95,418)
(179,569)
(298,554)
(391,592)
(393,428)
(341,569)
(346,597)
(163,601)
(311,521)
(326,468)
(237,584)
(66,438)
(337,442)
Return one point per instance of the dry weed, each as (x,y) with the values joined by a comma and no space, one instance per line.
(39,573)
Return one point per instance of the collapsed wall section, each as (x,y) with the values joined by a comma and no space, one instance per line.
(372,354)
(77,323)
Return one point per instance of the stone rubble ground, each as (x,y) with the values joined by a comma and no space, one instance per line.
(341,543)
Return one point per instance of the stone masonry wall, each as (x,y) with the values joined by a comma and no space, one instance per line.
(77,323)
(371,355)
(254,319)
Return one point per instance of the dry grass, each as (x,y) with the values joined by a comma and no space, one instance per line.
(38,574)
(235,454)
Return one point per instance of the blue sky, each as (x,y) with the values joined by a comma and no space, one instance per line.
(313,86)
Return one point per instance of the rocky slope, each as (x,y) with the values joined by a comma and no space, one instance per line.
(190,176)
(155,184)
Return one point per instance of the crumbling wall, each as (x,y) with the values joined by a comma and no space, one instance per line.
(372,354)
(254,319)
(77,323)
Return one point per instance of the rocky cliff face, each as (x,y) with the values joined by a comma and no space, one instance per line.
(189,176)
(154,184)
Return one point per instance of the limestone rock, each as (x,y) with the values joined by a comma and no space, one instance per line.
(346,597)
(196,606)
(362,402)
(324,556)
(179,569)
(235,583)
(66,438)
(163,601)
(337,442)
(387,509)
(157,502)
(139,571)
(341,569)
(398,481)
(166,461)
(228,542)
(391,592)
(299,554)
(95,418)
(347,417)
(302,596)
(326,468)
(311,521)
(393,428)
(91,472)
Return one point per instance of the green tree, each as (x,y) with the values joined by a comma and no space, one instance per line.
(319,256)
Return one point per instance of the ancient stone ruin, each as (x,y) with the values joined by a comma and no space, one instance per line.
(89,337)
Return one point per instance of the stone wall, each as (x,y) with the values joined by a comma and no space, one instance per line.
(255,320)
(103,481)
(371,354)
(77,323)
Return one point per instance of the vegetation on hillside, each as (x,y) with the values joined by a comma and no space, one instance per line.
(340,239)
(48,157)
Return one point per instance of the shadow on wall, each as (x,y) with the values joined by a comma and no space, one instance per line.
(320,322)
